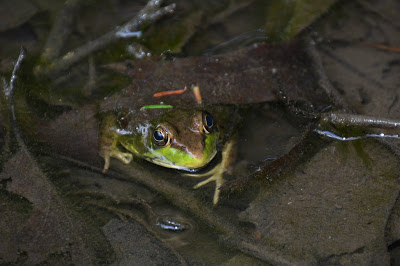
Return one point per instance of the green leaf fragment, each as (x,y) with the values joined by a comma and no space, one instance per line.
(156,106)
(286,19)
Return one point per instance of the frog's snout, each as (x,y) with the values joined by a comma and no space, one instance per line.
(195,149)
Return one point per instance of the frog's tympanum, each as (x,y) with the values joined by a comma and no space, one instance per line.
(175,138)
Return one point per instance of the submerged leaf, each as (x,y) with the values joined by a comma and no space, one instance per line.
(50,227)
(250,75)
(285,19)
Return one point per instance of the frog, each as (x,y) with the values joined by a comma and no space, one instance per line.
(177,138)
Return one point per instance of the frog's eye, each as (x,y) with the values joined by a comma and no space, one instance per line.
(208,122)
(160,136)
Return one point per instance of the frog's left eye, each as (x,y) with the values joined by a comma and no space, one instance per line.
(208,122)
(160,136)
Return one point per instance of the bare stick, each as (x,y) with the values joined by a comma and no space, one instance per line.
(323,80)
(149,14)
(343,119)
(61,30)
(9,92)
(374,10)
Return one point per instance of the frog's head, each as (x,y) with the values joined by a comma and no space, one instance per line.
(180,139)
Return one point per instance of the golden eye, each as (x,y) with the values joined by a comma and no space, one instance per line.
(160,136)
(208,122)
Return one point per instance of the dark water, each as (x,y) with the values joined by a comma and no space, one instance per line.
(339,205)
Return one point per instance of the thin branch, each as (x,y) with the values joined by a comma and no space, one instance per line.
(383,16)
(61,30)
(365,121)
(149,14)
(151,215)
(382,47)
(323,80)
(346,64)
(9,92)
(265,252)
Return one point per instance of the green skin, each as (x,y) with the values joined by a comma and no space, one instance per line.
(190,144)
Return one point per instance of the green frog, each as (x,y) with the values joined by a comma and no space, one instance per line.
(183,139)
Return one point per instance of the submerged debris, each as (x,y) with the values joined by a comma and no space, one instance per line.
(165,93)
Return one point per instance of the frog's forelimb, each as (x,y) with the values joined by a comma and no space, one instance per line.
(109,144)
(216,174)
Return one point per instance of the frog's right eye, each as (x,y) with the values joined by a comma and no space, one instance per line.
(160,136)
(208,122)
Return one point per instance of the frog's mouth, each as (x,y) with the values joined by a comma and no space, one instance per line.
(191,166)
(177,158)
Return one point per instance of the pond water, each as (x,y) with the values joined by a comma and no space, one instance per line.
(292,196)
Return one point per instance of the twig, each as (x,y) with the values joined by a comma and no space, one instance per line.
(9,92)
(265,252)
(197,94)
(323,80)
(382,47)
(346,64)
(166,93)
(91,83)
(61,30)
(149,14)
(232,8)
(151,215)
(343,119)
(372,9)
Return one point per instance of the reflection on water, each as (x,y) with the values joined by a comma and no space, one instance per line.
(334,136)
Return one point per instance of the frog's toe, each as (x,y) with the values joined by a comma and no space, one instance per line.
(216,174)
(124,157)
(219,181)
(106,163)
(209,173)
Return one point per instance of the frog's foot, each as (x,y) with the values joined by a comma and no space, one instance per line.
(216,174)
(124,157)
